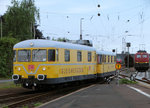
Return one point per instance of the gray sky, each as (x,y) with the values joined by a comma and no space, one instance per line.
(61,18)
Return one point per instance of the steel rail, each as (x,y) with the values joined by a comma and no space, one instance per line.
(14,94)
(16,98)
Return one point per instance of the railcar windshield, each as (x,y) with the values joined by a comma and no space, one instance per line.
(39,55)
(24,55)
(144,56)
(138,56)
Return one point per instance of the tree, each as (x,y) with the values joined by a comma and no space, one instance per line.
(38,33)
(20,18)
(6,56)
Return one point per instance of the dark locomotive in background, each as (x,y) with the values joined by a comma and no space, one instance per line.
(140,61)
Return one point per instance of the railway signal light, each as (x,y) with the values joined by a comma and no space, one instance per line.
(113,50)
(128,44)
(98,14)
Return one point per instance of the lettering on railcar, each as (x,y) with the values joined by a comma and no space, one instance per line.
(71,70)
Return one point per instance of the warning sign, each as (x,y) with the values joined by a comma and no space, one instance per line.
(118,66)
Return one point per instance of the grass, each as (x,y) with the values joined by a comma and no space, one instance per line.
(5,106)
(126,81)
(6,85)
(25,106)
(37,104)
(4,78)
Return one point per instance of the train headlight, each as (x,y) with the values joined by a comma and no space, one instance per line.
(19,68)
(44,68)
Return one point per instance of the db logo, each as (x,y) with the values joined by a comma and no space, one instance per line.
(30,67)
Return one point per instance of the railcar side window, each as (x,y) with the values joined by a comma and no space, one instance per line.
(111,59)
(39,55)
(138,56)
(57,55)
(67,55)
(99,59)
(105,58)
(51,55)
(14,59)
(95,56)
(114,58)
(79,56)
(24,55)
(144,56)
(108,59)
(89,56)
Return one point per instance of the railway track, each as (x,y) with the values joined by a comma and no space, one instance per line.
(29,99)
(136,79)
(14,94)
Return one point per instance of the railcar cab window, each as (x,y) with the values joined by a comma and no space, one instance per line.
(67,55)
(39,55)
(138,56)
(144,56)
(89,56)
(79,56)
(24,55)
(51,55)
(14,59)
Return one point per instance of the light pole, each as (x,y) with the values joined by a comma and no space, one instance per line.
(81,28)
(1,28)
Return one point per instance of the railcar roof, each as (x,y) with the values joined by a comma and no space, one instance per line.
(105,53)
(41,43)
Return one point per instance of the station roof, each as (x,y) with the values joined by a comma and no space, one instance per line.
(41,43)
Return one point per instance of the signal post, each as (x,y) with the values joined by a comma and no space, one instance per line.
(118,67)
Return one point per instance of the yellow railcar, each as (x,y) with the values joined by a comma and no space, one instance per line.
(38,62)
(41,62)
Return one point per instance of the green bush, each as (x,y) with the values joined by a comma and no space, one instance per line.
(126,81)
(6,56)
